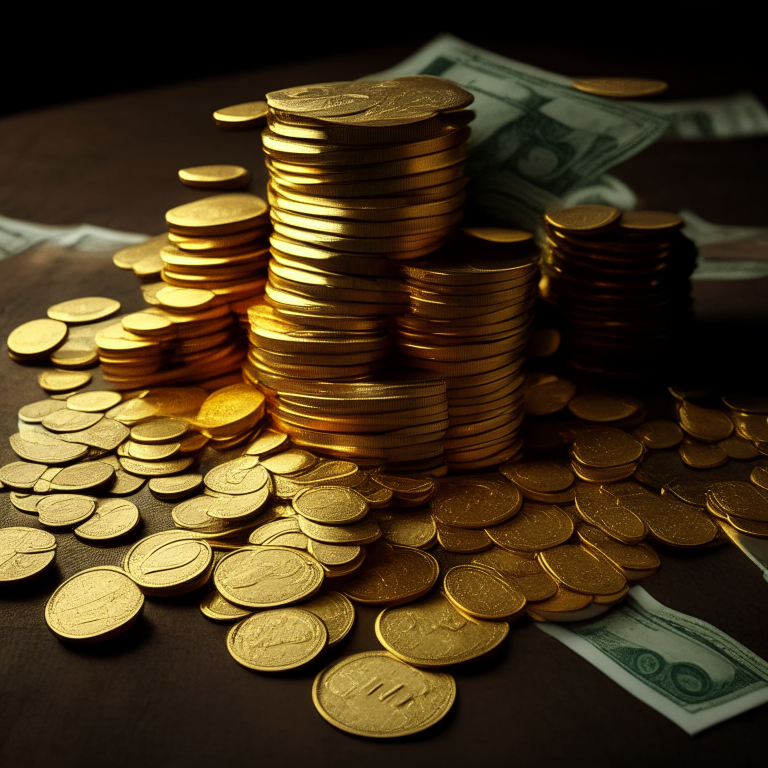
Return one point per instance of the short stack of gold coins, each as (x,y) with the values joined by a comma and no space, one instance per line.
(469,321)
(363,175)
(622,283)
(212,267)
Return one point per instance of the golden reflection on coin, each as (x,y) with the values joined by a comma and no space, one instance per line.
(701,455)
(294,460)
(61,510)
(602,407)
(603,510)
(158,430)
(238,476)
(466,540)
(335,611)
(581,570)
(80,477)
(24,552)
(267,577)
(36,338)
(70,421)
(21,474)
(740,499)
(658,434)
(620,87)
(374,694)
(363,532)
(633,560)
(481,594)
(392,575)
(34,413)
(606,447)
(215,176)
(330,505)
(408,529)
(176,486)
(267,442)
(432,633)
(95,604)
(527,575)
(251,114)
(112,518)
(62,381)
(475,502)
(214,607)
(582,218)
(85,310)
(536,527)
(94,401)
(708,424)
(277,640)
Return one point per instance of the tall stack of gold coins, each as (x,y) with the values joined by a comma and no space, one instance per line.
(622,284)
(363,176)
(212,267)
(469,321)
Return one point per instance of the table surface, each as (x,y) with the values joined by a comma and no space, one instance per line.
(167,693)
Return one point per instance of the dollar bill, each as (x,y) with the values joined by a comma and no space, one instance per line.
(679,665)
(19,236)
(535,140)
(755,549)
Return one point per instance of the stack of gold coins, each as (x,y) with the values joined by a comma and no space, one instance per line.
(469,320)
(622,283)
(362,175)
(213,269)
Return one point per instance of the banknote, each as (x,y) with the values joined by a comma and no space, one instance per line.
(679,665)
(755,549)
(535,139)
(18,236)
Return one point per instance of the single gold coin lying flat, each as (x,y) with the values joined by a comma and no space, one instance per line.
(251,114)
(604,511)
(80,477)
(274,641)
(481,594)
(539,476)
(175,487)
(581,570)
(267,577)
(620,87)
(22,475)
(287,462)
(239,476)
(95,604)
(267,442)
(67,420)
(63,381)
(331,505)
(112,518)
(215,177)
(527,575)
(335,611)
(475,502)
(374,694)
(409,529)
(85,310)
(36,338)
(34,413)
(45,448)
(94,401)
(462,540)
(606,447)
(603,407)
(658,434)
(219,210)
(24,552)
(700,455)
(582,218)
(61,510)
(536,527)
(432,633)
(707,424)
(159,430)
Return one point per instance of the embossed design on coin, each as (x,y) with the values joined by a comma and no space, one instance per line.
(24,552)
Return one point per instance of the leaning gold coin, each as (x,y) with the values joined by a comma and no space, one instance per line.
(336,612)
(432,633)
(36,338)
(274,641)
(581,570)
(214,607)
(62,381)
(478,592)
(95,604)
(85,310)
(410,699)
(24,552)
(267,577)
(112,518)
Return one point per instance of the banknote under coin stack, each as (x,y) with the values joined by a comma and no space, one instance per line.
(469,320)
(622,283)
(211,267)
(363,176)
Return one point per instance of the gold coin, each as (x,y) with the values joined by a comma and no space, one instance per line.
(408,529)
(582,218)
(582,571)
(333,554)
(169,563)
(85,310)
(548,396)
(127,257)
(335,611)
(95,604)
(277,640)
(148,451)
(478,592)
(650,221)
(267,442)
(237,404)
(46,448)
(600,509)
(536,527)
(606,447)
(538,476)
(175,487)
(159,430)
(36,338)
(464,540)
(658,434)
(24,552)
(565,606)
(250,114)
(155,468)
(739,449)
(759,477)
(94,401)
(67,420)
(739,499)
(239,476)
(80,477)
(267,577)
(269,530)
(290,461)
(363,532)
(234,210)
(706,424)
(525,574)
(105,434)
(34,413)
(213,606)
(432,633)
(330,505)
(701,456)
(111,519)
(603,407)
(125,483)
(405,699)
(215,176)
(475,502)
(392,575)
(620,87)
(632,559)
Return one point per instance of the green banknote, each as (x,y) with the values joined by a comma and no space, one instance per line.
(684,668)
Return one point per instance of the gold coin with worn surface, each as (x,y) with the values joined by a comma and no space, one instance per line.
(24,552)
(374,694)
(67,420)
(148,451)
(175,486)
(333,555)
(85,310)
(215,176)
(81,477)
(155,468)
(277,640)
(478,592)
(232,210)
(463,540)
(546,397)
(606,447)
(159,430)
(239,476)
(22,474)
(539,476)
(237,404)
(658,434)
(581,570)
(36,338)
(338,472)
(582,218)
(739,499)
(95,604)
(111,519)
(366,531)
(34,413)
(706,424)
(335,611)
(620,87)
(432,633)
(536,527)
(169,562)
(213,606)
(628,557)
(106,434)
(408,529)
(46,448)
(392,575)
(287,462)
(524,573)
(62,381)
(599,508)
(267,442)
(475,502)
(94,401)
(267,577)
(608,406)
(331,505)
(61,510)
(701,455)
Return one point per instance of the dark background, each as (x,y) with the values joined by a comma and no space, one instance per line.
(59,55)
